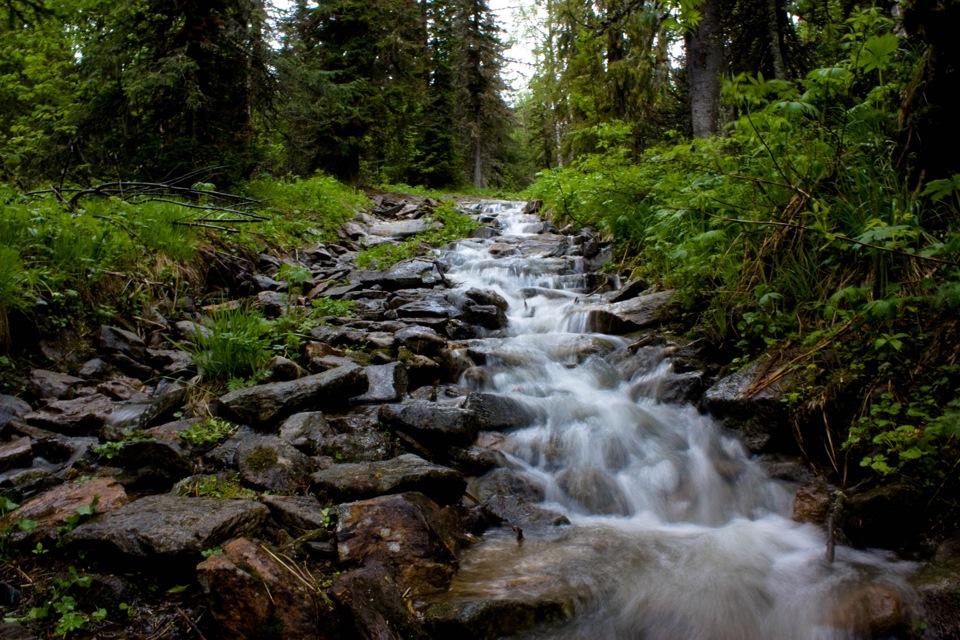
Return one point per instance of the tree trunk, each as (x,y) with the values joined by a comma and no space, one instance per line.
(773,32)
(478,181)
(704,64)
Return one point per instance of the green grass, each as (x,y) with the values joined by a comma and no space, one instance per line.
(235,345)
(454,225)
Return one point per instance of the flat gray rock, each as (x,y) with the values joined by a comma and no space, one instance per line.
(266,403)
(357,481)
(168,528)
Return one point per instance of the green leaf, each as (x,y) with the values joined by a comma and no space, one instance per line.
(877,52)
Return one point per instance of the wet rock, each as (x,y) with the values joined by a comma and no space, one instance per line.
(406,532)
(872,611)
(280,369)
(744,402)
(12,408)
(264,404)
(635,314)
(131,367)
(51,384)
(79,416)
(595,489)
(356,481)
(15,631)
(268,463)
(353,338)
(938,588)
(505,482)
(376,605)
(190,330)
(812,503)
(491,619)
(414,273)
(167,530)
(682,388)
(252,595)
(171,362)
(272,304)
(421,340)
(484,233)
(629,291)
(114,340)
(388,383)
(306,431)
(53,507)
(359,445)
(474,461)
(18,452)
(153,465)
(520,512)
(297,514)
(121,388)
(433,426)
(887,516)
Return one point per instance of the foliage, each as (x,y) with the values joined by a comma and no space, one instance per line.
(232,344)
(297,205)
(452,225)
(222,487)
(797,225)
(210,431)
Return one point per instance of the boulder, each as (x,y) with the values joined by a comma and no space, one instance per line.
(264,404)
(743,402)
(887,516)
(376,604)
(167,530)
(406,532)
(388,383)
(114,340)
(306,431)
(493,618)
(268,463)
(432,425)
(872,611)
(505,482)
(51,509)
(629,291)
(343,482)
(252,594)
(17,452)
(634,314)
(281,369)
(154,465)
(297,514)
(12,408)
(938,588)
(421,340)
(519,512)
(500,413)
(77,417)
(53,385)
(812,503)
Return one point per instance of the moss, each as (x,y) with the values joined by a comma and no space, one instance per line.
(261,459)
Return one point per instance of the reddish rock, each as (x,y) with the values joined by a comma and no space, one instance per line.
(52,508)
(871,611)
(376,605)
(252,595)
(406,532)
(812,504)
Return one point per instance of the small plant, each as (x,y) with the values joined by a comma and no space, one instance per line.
(210,431)
(63,606)
(332,307)
(8,527)
(235,345)
(222,487)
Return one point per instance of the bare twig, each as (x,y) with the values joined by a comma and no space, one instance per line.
(190,622)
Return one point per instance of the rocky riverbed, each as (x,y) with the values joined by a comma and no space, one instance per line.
(342,495)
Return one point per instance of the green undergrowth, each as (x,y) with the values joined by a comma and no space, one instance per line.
(451,225)
(104,259)
(804,233)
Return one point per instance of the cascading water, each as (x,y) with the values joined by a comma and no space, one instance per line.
(676,533)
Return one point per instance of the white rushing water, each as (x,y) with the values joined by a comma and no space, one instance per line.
(676,533)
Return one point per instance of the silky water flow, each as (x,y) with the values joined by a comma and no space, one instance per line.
(675,534)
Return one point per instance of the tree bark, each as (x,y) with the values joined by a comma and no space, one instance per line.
(773,32)
(704,65)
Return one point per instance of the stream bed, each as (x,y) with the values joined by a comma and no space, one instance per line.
(675,532)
